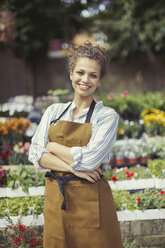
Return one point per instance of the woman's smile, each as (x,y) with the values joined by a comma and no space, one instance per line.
(84,87)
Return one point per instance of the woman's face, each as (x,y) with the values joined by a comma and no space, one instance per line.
(85,76)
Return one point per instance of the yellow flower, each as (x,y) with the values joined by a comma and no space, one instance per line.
(16,148)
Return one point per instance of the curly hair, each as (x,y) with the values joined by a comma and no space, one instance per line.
(90,51)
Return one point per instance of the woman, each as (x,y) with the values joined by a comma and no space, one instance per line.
(73,140)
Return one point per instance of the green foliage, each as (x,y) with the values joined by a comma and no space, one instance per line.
(131,106)
(129,129)
(133,244)
(23,205)
(149,199)
(135,172)
(122,197)
(133,27)
(16,158)
(25,177)
(156,167)
(36,23)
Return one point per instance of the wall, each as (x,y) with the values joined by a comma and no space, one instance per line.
(139,73)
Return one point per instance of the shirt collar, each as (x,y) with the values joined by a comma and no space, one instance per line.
(98,104)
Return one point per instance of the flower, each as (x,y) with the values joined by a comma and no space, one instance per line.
(114,178)
(17,241)
(110,96)
(124,93)
(121,131)
(22,228)
(162,192)
(12,130)
(3,171)
(21,235)
(128,175)
(138,199)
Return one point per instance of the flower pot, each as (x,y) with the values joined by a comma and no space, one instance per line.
(132,160)
(120,161)
(144,159)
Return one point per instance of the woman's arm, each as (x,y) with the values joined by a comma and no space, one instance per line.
(61,151)
(90,157)
(52,162)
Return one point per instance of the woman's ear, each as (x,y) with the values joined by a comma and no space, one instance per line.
(71,75)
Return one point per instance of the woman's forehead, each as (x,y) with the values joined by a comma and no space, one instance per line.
(88,64)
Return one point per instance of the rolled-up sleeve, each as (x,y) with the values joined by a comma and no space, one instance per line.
(39,140)
(90,157)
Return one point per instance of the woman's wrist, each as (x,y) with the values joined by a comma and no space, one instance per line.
(51,147)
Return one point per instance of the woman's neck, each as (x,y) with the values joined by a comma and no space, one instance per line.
(82,102)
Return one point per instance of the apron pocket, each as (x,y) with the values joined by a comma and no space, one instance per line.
(82,202)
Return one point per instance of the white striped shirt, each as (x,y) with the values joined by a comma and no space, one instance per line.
(87,158)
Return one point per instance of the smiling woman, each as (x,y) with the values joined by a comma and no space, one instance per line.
(74,140)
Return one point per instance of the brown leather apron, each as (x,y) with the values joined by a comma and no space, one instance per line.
(78,213)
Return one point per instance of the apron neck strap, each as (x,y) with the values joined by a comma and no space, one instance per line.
(90,111)
(88,117)
(54,121)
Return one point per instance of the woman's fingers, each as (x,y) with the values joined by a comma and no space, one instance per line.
(91,176)
(99,170)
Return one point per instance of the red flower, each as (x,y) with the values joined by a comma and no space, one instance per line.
(115,168)
(162,192)
(35,242)
(22,228)
(138,199)
(128,174)
(113,178)
(132,173)
(17,241)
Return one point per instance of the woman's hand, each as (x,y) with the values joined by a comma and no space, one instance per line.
(91,176)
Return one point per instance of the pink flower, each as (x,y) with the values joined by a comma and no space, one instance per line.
(22,149)
(110,96)
(138,199)
(124,93)
(26,145)
(125,168)
(113,178)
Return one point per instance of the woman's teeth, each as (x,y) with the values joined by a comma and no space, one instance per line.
(84,86)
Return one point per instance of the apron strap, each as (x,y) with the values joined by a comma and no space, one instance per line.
(88,117)
(62,180)
(54,121)
(90,112)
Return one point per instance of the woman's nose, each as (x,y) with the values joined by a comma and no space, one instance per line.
(85,78)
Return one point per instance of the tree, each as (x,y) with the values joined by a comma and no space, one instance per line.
(36,22)
(133,26)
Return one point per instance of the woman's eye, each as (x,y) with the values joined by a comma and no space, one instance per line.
(80,72)
(93,76)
